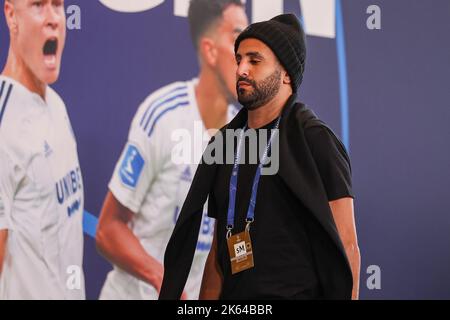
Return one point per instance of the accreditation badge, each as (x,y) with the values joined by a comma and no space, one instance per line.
(241,252)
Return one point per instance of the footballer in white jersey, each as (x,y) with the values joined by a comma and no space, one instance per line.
(41,189)
(151,182)
(41,196)
(156,168)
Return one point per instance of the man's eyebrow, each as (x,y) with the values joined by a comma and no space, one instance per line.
(255,54)
(238,30)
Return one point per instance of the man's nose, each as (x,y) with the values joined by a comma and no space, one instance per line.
(242,70)
(52,16)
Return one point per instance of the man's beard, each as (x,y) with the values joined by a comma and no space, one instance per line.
(262,93)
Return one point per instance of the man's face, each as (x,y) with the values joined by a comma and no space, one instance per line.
(39,36)
(234,21)
(259,74)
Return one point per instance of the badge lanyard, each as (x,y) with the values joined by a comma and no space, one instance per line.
(233,183)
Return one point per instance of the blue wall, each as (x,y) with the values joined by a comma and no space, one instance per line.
(398,101)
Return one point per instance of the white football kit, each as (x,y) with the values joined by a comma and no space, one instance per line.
(152,178)
(41,197)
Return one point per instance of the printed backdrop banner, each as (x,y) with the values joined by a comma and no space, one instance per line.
(384,91)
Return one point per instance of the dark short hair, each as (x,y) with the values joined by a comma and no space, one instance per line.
(203,13)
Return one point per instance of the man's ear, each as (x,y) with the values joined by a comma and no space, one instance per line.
(208,51)
(286,78)
(10,15)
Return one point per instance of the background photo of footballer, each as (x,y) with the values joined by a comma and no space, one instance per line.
(107,99)
(41,188)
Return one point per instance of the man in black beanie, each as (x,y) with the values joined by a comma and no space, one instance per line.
(288,234)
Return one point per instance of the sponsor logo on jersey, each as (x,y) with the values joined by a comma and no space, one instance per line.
(74,207)
(68,187)
(131,167)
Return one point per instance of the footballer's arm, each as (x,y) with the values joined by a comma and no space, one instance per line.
(117,243)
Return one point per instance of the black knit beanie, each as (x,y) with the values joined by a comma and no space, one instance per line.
(284,35)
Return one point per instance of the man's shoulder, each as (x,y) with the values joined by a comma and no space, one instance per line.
(55,101)
(54,98)
(166,106)
(20,118)
(306,117)
(166,94)
(16,140)
(16,113)
(315,129)
(319,135)
(13,105)
(307,121)
(18,107)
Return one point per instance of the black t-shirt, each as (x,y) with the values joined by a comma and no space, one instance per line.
(284,265)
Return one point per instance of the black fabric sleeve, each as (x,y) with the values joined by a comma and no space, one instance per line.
(332,161)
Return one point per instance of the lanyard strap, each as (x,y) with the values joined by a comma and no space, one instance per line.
(234,178)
